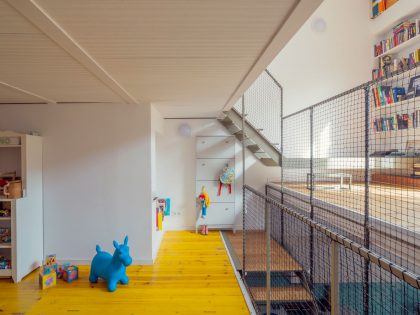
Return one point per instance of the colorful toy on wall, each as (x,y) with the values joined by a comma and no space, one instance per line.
(226,178)
(111,268)
(205,201)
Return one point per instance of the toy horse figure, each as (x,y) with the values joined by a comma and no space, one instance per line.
(111,268)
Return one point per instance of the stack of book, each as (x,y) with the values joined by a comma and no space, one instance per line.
(398,64)
(397,122)
(416,169)
(400,34)
(385,95)
(379,6)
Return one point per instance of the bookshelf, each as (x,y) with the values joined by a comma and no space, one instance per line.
(21,215)
(399,48)
(394,15)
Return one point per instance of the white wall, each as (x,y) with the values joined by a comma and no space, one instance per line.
(97,175)
(315,66)
(176,170)
(157,128)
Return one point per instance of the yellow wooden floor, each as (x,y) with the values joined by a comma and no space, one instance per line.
(192,275)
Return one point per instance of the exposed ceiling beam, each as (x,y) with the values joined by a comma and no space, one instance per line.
(41,98)
(40,18)
(297,17)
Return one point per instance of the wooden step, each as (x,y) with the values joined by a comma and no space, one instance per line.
(256,255)
(269,162)
(294,293)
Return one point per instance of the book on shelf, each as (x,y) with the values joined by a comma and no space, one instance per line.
(401,33)
(386,66)
(379,6)
(397,122)
(385,95)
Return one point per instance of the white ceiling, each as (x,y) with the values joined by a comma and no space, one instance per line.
(189,57)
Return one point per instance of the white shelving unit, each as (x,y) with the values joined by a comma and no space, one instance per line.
(26,221)
(212,155)
(394,15)
(397,49)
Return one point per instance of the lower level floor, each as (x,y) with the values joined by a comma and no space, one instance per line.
(192,275)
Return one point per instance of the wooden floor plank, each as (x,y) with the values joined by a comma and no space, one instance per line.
(192,275)
(294,293)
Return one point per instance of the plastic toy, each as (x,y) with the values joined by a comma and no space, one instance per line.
(205,201)
(70,273)
(111,268)
(47,280)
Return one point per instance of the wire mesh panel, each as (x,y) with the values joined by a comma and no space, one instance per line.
(339,149)
(255,249)
(337,282)
(263,107)
(297,154)
(387,294)
(394,187)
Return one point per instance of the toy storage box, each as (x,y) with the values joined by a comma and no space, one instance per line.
(47,280)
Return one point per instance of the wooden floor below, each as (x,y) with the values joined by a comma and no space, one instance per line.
(256,254)
(192,275)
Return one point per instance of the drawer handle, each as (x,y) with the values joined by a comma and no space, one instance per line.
(204,164)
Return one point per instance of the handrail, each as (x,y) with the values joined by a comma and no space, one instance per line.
(385,264)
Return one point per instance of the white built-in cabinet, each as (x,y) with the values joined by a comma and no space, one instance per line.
(213,153)
(26,220)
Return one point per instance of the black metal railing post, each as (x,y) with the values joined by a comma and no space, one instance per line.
(311,235)
(366,206)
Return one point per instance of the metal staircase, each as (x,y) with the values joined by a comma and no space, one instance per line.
(255,141)
(262,107)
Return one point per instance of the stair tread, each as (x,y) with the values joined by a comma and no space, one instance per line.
(292,293)
(256,256)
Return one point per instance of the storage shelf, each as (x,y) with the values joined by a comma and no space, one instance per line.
(5,245)
(401,46)
(414,130)
(5,272)
(395,76)
(396,105)
(10,146)
(399,12)
(5,218)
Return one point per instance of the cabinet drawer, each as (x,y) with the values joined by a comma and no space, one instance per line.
(210,169)
(220,213)
(212,187)
(215,147)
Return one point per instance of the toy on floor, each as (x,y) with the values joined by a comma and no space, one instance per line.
(205,201)
(47,280)
(48,274)
(69,273)
(111,268)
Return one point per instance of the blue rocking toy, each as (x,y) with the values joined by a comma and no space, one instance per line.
(111,268)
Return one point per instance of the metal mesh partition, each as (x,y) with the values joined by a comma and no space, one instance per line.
(263,107)
(350,162)
(296,159)
(394,149)
(336,282)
